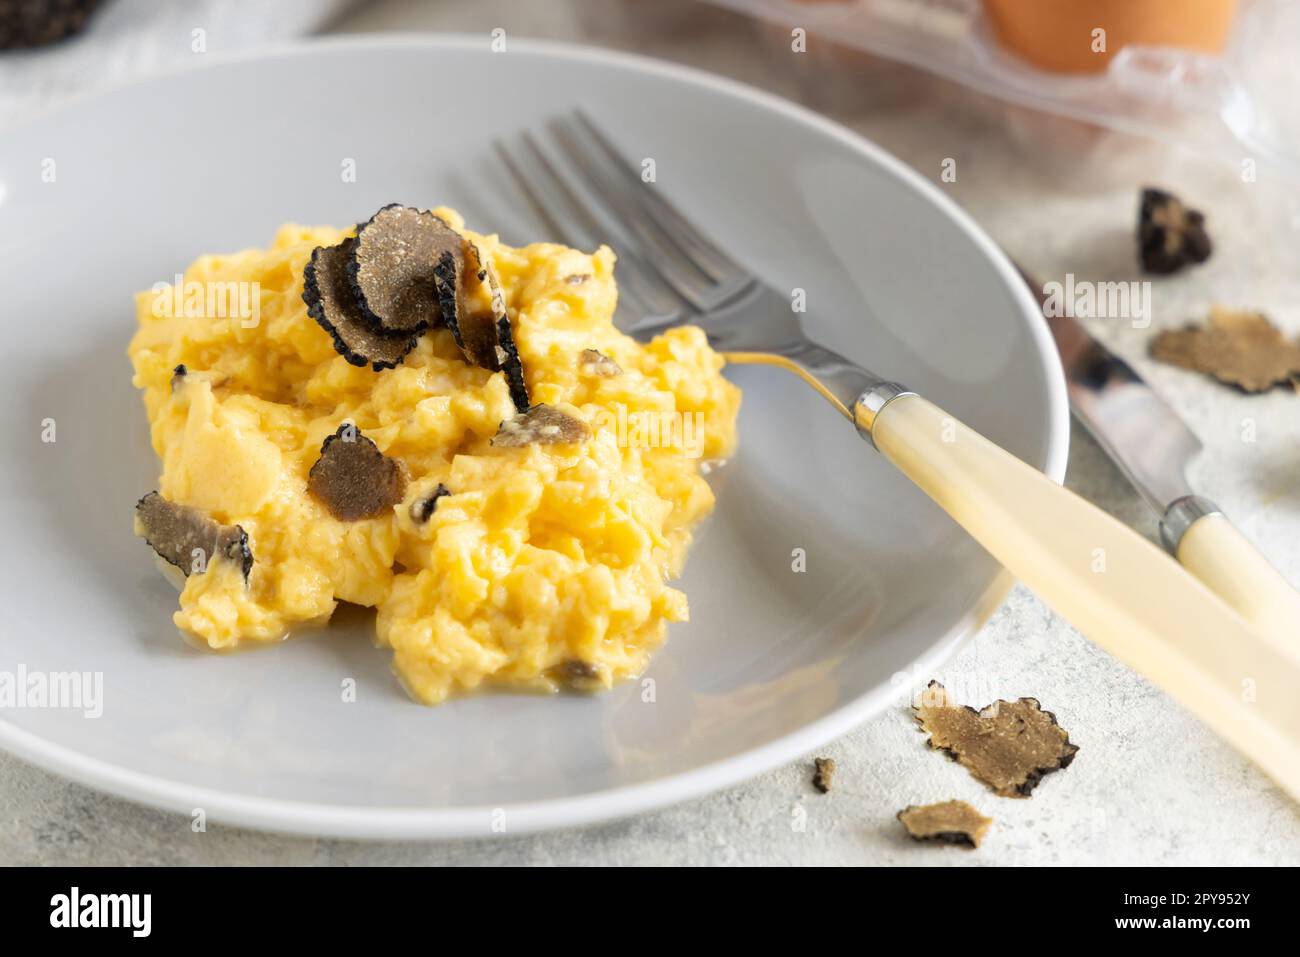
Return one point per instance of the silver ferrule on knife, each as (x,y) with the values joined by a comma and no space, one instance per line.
(1181,515)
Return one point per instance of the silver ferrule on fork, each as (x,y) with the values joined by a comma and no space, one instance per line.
(871,403)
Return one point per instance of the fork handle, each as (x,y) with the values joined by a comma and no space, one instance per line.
(1120,590)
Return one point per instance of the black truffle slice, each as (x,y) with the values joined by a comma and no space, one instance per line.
(1008,745)
(577,668)
(483,329)
(1170,235)
(512,366)
(394,268)
(823,773)
(479,307)
(188,537)
(578,674)
(353,479)
(1238,346)
(329,301)
(541,425)
(447,273)
(424,506)
(28,24)
(480,323)
(596,363)
(950,822)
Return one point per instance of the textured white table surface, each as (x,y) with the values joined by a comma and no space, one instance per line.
(1150,784)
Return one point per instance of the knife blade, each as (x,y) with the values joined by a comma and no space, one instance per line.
(1142,434)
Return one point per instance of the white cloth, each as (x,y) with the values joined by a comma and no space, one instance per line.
(128,39)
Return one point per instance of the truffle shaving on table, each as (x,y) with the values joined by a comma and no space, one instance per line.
(1170,235)
(950,822)
(1008,745)
(1237,346)
(823,774)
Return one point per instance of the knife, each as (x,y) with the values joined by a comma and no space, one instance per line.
(1152,446)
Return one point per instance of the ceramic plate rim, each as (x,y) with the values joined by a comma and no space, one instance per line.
(342,821)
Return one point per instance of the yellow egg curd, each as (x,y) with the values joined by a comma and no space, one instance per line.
(545,565)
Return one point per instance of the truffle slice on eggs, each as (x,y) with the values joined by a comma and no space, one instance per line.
(485,334)
(512,366)
(474,324)
(593,362)
(403,269)
(541,425)
(353,479)
(330,302)
(422,508)
(188,537)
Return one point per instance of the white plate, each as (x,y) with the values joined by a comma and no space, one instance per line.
(772,664)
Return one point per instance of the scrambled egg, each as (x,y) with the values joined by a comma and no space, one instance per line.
(546,563)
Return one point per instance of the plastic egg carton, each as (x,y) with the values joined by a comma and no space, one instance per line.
(1234,106)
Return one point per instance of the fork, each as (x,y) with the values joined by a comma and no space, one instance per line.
(1117,588)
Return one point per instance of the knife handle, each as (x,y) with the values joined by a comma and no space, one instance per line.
(1213,550)
(1120,590)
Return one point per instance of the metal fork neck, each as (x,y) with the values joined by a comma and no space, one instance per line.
(845,380)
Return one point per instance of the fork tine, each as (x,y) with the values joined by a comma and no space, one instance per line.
(658,299)
(658,249)
(705,253)
(647,295)
(539,200)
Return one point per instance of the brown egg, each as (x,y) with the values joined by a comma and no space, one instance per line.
(1058,35)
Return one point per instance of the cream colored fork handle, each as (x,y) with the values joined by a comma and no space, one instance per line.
(1121,591)
(1218,554)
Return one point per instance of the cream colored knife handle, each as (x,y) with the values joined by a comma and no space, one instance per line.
(1214,551)
(1120,590)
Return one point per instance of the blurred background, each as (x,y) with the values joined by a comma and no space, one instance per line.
(1086,94)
